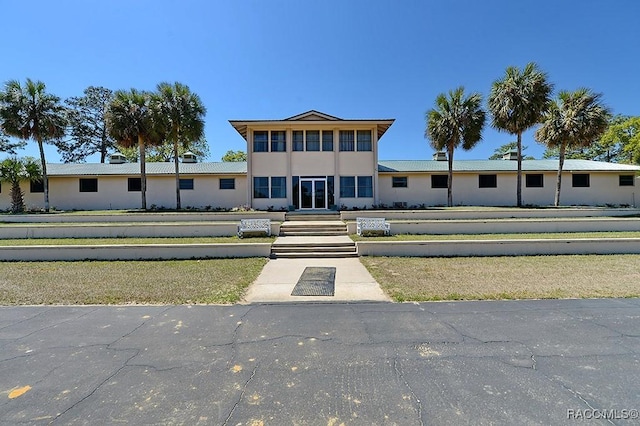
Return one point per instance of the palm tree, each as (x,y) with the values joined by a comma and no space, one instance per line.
(132,120)
(15,170)
(29,112)
(182,113)
(455,119)
(517,102)
(576,120)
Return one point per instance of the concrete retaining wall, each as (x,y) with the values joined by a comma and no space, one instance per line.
(142,217)
(134,252)
(454,248)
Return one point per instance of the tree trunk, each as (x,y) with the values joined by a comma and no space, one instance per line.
(45,178)
(519,178)
(450,176)
(17,198)
(556,201)
(143,172)
(177,166)
(103,145)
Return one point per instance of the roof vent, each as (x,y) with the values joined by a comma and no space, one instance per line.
(440,156)
(511,155)
(117,158)
(189,157)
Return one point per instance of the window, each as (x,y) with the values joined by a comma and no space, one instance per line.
(298,140)
(364,140)
(260,141)
(260,187)
(186,184)
(347,186)
(89,185)
(580,180)
(534,181)
(313,140)
(278,141)
(626,180)
(488,181)
(227,183)
(37,186)
(327,141)
(134,185)
(278,187)
(346,140)
(365,186)
(439,181)
(399,182)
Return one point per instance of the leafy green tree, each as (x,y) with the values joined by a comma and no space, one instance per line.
(232,156)
(517,102)
(508,147)
(622,139)
(29,112)
(132,120)
(574,120)
(15,170)
(87,126)
(7,145)
(163,153)
(182,114)
(456,120)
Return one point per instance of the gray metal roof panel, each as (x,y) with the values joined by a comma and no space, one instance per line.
(407,166)
(101,169)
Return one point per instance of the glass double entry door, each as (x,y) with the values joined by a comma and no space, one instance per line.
(313,193)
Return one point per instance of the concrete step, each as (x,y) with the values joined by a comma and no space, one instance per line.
(312,217)
(307,255)
(311,233)
(311,249)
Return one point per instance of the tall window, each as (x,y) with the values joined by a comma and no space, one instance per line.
(278,141)
(278,187)
(347,187)
(36,186)
(626,180)
(260,187)
(487,181)
(365,186)
(134,185)
(313,140)
(298,140)
(399,182)
(227,183)
(439,181)
(260,141)
(364,140)
(534,180)
(186,184)
(346,140)
(580,180)
(89,185)
(327,140)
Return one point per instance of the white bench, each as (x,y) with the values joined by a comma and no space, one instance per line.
(371,225)
(252,226)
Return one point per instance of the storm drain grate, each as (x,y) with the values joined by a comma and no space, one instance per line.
(316,281)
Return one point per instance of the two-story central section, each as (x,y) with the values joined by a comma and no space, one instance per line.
(312,161)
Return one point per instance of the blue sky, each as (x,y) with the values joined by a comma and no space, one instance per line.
(271,59)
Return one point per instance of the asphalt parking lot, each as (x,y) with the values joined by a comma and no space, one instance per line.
(511,362)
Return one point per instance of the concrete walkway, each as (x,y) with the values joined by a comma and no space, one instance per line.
(276,281)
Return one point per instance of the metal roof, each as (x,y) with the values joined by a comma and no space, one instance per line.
(408,166)
(126,169)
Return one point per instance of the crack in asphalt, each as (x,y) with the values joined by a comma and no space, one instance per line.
(400,376)
(244,390)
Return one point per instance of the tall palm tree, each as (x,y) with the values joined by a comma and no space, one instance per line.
(132,120)
(575,120)
(182,113)
(29,112)
(455,120)
(517,102)
(15,170)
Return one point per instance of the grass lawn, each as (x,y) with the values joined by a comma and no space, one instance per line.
(524,277)
(105,241)
(127,282)
(522,236)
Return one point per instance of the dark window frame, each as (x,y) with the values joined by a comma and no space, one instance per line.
(347,183)
(36,186)
(261,145)
(223,184)
(327,143)
(580,180)
(488,181)
(88,185)
(399,181)
(364,140)
(534,180)
(186,184)
(312,145)
(260,187)
(134,184)
(626,180)
(346,141)
(364,190)
(298,143)
(278,187)
(277,144)
(437,181)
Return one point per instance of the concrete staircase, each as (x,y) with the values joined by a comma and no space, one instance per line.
(308,235)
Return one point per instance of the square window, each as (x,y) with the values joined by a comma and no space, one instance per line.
(260,187)
(186,183)
(626,180)
(278,187)
(278,141)
(534,180)
(365,186)
(313,140)
(134,184)
(580,180)
(327,141)
(227,183)
(260,141)
(36,186)
(298,140)
(347,186)
(487,181)
(364,140)
(399,182)
(439,181)
(346,140)
(89,185)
